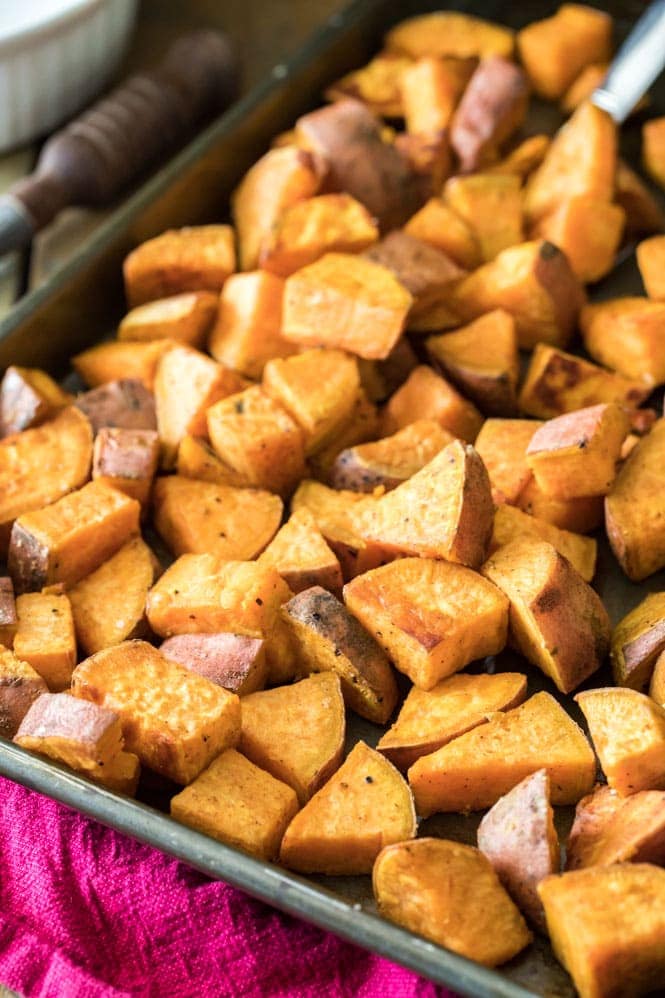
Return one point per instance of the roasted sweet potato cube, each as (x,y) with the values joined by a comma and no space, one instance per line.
(430,90)
(28,396)
(512,524)
(651,261)
(611,829)
(20,685)
(502,445)
(583,909)
(8,618)
(482,359)
(588,229)
(637,641)
(185,318)
(278,180)
(258,439)
(124,403)
(117,359)
(519,838)
(239,804)
(121,774)
(444,511)
(492,108)
(583,86)
(364,806)
(347,302)
(296,732)
(197,459)
(431,617)
(82,735)
(426,272)
(557,621)
(628,733)
(363,424)
(580,515)
(491,204)
(235,661)
(449,893)
(653,149)
(380,378)
(45,637)
(556,49)
(627,334)
(635,508)
(175,721)
(432,718)
(389,461)
(108,606)
(377,84)
(126,460)
(534,282)
(40,465)
(524,158)
(199,258)
(201,517)
(67,540)
(449,33)
(582,159)
(426,395)
(473,771)
(644,213)
(437,224)
(558,382)
(326,637)
(301,556)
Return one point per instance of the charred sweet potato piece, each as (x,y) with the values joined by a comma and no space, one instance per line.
(611,829)
(534,282)
(199,258)
(235,661)
(588,230)
(653,149)
(296,732)
(557,621)
(576,454)
(326,637)
(245,790)
(643,212)
(114,360)
(426,272)
(431,617)
(582,909)
(580,515)
(473,771)
(197,459)
(448,33)
(512,524)
(175,721)
(185,318)
(627,334)
(20,685)
(443,511)
(491,205)
(432,718)
(67,540)
(45,636)
(377,84)
(439,226)
(502,445)
(430,89)
(482,359)
(125,403)
(492,108)
(628,733)
(426,395)
(519,838)
(28,396)
(301,556)
(637,641)
(8,618)
(556,49)
(651,261)
(364,806)
(126,460)
(635,508)
(390,461)
(558,382)
(108,606)
(449,893)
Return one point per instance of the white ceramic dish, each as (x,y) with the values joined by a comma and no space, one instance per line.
(55,56)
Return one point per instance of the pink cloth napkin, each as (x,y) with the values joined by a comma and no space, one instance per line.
(86,912)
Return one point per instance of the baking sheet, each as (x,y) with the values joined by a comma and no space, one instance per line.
(80,305)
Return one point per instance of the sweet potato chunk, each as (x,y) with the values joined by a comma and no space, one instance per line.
(175,721)
(431,617)
(67,540)
(199,258)
(473,771)
(492,108)
(347,302)
(443,511)
(448,33)
(583,86)
(580,515)
(653,149)
(558,382)
(364,806)
(258,439)
(8,619)
(628,733)
(202,517)
(437,224)
(380,378)
(502,445)
(326,637)
(197,459)
(611,829)
(557,621)
(607,927)
(426,395)
(651,261)
(363,424)
(491,205)
(28,396)
(118,359)
(637,641)
(185,318)
(432,718)
(45,637)
(588,230)
(644,214)
(657,684)
(430,89)
(126,460)
(519,838)
(524,158)
(512,524)
(556,49)
(390,461)
(627,335)
(20,685)
(582,159)
(426,272)
(534,282)
(635,508)
(482,359)
(377,84)
(108,606)
(296,732)
(125,403)
(235,661)
(239,804)
(301,556)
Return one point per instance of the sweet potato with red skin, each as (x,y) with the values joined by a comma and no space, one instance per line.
(199,258)
(82,735)
(389,461)
(235,661)
(8,617)
(20,685)
(588,230)
(610,829)
(449,33)
(437,224)
(301,556)
(126,460)
(28,396)
(428,156)
(651,261)
(114,360)
(653,149)
(424,271)
(637,641)
(125,403)
(502,445)
(426,395)
(185,318)
(556,49)
(492,108)
(491,204)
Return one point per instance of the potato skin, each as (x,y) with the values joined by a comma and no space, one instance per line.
(126,404)
(493,105)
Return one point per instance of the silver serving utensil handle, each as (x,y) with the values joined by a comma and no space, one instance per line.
(636,65)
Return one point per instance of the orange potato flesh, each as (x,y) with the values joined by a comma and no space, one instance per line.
(644,214)
(502,445)
(301,556)
(28,396)
(511,524)
(448,33)
(491,205)
(588,230)
(653,149)
(389,461)
(361,426)
(20,685)
(581,515)
(197,459)
(185,318)
(437,224)
(429,93)
(426,273)
(637,641)
(199,258)
(556,49)
(119,359)
(524,158)
(651,261)
(426,395)
(611,829)
(377,84)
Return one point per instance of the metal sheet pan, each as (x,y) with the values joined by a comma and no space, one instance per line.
(81,304)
